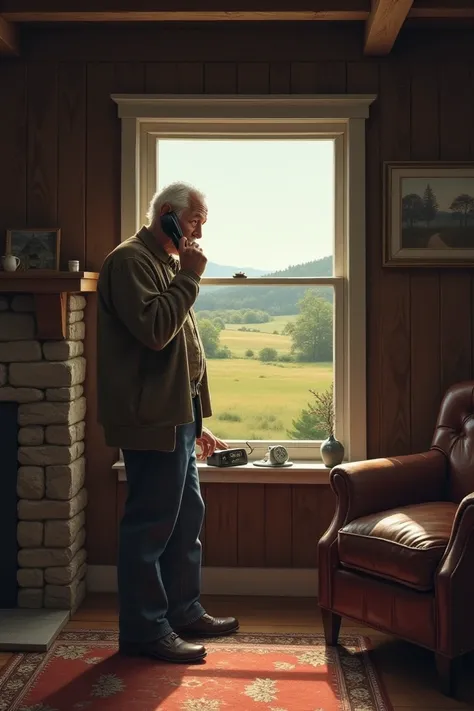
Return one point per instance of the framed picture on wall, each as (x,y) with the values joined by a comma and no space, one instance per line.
(428,214)
(36,249)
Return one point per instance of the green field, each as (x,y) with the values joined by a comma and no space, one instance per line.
(240,341)
(255,400)
(263,398)
(278,323)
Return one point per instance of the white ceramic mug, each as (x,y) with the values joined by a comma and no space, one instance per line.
(10,263)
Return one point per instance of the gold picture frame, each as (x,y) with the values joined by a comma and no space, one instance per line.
(38,249)
(428,214)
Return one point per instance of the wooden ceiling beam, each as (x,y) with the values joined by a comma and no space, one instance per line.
(384,24)
(9,43)
(181,10)
(218,10)
(442,10)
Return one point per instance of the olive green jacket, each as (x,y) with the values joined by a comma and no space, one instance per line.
(142,366)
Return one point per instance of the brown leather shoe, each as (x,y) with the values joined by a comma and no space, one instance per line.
(167,649)
(208,626)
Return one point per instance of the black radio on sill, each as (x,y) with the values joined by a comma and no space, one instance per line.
(228,458)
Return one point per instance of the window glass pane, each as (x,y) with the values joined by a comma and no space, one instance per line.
(264,356)
(271,202)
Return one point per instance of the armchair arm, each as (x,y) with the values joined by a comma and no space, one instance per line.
(376,485)
(455,585)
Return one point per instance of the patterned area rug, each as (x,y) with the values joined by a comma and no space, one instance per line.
(248,672)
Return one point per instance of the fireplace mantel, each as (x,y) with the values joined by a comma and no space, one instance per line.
(50,291)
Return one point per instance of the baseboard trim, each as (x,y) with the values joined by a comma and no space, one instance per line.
(279,582)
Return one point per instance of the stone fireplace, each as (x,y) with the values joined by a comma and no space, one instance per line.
(42,371)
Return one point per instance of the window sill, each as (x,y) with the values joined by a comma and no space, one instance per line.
(299,473)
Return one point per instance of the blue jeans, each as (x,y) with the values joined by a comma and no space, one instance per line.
(159,564)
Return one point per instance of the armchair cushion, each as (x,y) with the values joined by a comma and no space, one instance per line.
(404,545)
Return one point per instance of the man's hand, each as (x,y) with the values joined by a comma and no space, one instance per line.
(191,257)
(208,444)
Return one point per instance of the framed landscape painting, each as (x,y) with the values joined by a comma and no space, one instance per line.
(36,249)
(428,214)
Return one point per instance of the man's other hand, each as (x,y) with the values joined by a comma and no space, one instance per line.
(208,444)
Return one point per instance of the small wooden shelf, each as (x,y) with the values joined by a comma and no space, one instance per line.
(50,291)
(48,282)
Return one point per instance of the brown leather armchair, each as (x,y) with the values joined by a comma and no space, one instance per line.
(399,554)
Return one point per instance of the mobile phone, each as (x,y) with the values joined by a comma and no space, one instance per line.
(171,227)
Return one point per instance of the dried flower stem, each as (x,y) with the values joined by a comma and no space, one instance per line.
(324,408)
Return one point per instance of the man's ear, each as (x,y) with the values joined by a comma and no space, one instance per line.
(165,209)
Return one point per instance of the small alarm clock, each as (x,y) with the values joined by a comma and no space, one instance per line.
(228,458)
(277,456)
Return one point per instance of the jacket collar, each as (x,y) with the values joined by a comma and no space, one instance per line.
(149,240)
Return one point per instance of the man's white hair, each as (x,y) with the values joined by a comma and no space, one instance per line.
(177,195)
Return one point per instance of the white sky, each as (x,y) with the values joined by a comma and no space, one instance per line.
(271,202)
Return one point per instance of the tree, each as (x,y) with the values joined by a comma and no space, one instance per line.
(317,420)
(251,316)
(224,352)
(412,209)
(307,426)
(209,337)
(430,205)
(249,353)
(267,355)
(462,208)
(313,332)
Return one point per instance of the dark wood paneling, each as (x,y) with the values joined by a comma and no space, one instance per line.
(394,292)
(251,525)
(253,78)
(222,524)
(103,165)
(305,524)
(318,77)
(278,528)
(280,77)
(60,144)
(424,287)
(174,77)
(72,161)
(13,146)
(42,195)
(220,78)
(202,42)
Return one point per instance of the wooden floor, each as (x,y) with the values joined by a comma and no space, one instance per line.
(408,672)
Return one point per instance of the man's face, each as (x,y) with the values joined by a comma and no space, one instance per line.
(192,219)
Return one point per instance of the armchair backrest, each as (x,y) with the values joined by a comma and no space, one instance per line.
(454,436)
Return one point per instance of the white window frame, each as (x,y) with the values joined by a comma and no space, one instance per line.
(147,118)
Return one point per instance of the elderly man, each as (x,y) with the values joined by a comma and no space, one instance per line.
(153,393)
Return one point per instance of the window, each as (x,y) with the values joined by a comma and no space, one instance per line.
(285,184)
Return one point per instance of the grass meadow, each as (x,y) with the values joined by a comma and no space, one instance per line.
(255,400)
(240,341)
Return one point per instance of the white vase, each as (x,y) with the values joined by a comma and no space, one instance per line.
(10,263)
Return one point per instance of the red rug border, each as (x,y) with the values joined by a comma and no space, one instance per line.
(111,636)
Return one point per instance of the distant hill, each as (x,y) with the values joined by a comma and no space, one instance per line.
(316,268)
(222,270)
(274,300)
